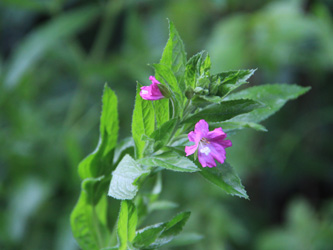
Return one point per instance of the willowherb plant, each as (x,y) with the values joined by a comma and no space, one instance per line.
(170,130)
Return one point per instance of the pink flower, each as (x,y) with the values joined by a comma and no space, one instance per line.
(210,144)
(151,92)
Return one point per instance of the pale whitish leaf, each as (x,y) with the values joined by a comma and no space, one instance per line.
(45,37)
(225,177)
(274,96)
(170,160)
(143,122)
(99,162)
(122,184)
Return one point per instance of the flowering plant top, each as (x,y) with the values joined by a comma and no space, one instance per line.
(183,95)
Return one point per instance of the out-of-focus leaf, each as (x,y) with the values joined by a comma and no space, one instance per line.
(274,96)
(160,234)
(35,44)
(100,161)
(225,177)
(127,222)
(88,220)
(143,122)
(185,239)
(224,110)
(29,5)
(122,184)
(170,160)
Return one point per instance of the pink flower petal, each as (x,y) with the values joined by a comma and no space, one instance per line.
(216,134)
(189,150)
(201,127)
(151,92)
(210,144)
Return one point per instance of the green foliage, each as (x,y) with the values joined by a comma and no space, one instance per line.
(225,177)
(170,160)
(127,222)
(99,162)
(143,122)
(89,217)
(274,96)
(123,185)
(224,110)
(155,236)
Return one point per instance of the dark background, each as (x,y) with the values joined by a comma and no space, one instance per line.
(55,57)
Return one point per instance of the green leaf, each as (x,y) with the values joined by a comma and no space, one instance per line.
(165,75)
(160,234)
(45,37)
(197,69)
(174,56)
(161,111)
(143,122)
(233,126)
(225,177)
(224,111)
(99,162)
(222,84)
(163,135)
(172,161)
(88,219)
(125,146)
(274,96)
(122,186)
(127,222)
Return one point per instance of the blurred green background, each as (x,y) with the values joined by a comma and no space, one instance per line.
(56,55)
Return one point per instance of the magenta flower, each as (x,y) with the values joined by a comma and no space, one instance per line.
(151,92)
(210,144)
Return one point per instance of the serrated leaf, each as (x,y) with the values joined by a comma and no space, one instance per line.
(127,222)
(170,160)
(163,135)
(233,126)
(43,38)
(174,56)
(143,122)
(197,68)
(223,83)
(122,186)
(274,96)
(224,111)
(160,234)
(225,177)
(88,219)
(125,146)
(161,111)
(99,162)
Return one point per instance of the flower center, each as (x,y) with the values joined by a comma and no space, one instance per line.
(204,149)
